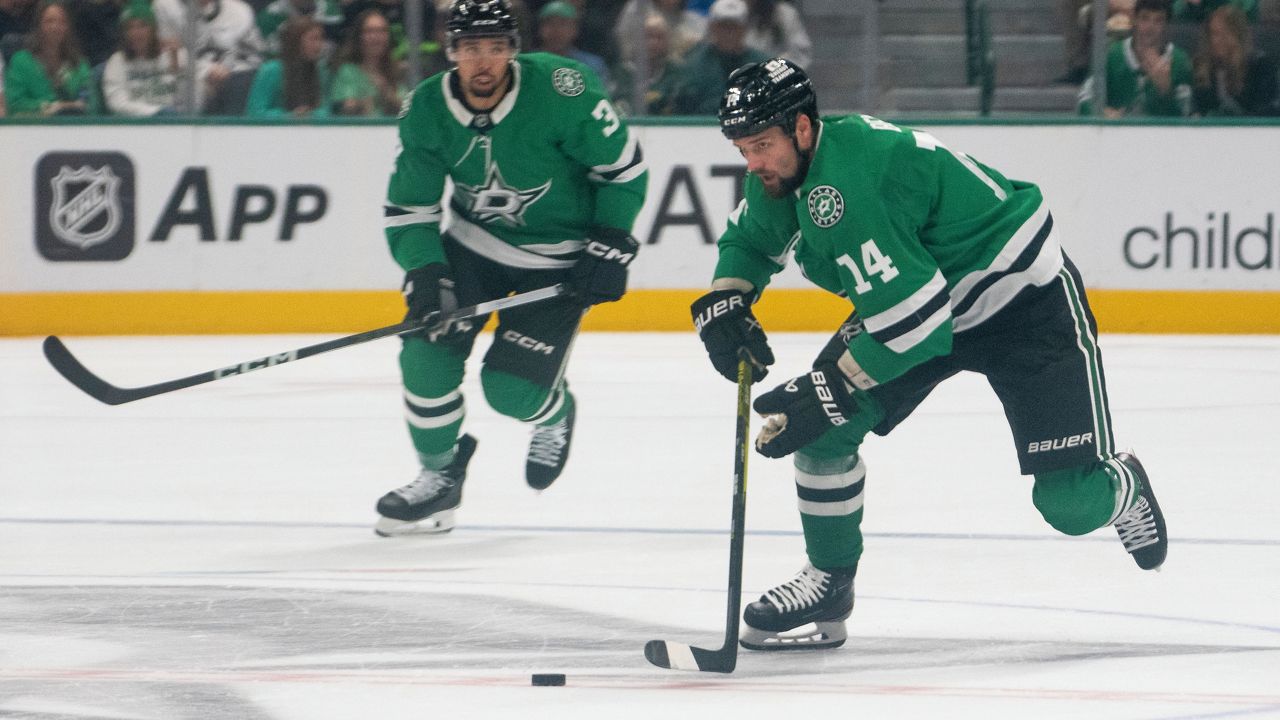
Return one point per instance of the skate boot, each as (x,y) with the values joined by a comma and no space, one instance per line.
(548,451)
(817,598)
(1141,527)
(426,505)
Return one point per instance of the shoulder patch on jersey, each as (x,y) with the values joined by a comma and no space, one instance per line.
(826,206)
(568,82)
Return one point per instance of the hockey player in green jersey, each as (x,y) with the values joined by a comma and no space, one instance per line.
(546,184)
(950,266)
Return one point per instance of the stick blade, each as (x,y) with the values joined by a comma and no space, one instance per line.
(77,374)
(678,656)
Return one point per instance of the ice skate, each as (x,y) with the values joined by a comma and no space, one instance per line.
(1141,527)
(804,613)
(426,505)
(548,451)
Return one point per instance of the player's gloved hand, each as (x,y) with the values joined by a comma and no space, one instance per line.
(428,291)
(808,406)
(724,321)
(600,275)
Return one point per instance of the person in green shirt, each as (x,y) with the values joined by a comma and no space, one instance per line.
(51,76)
(950,267)
(1146,73)
(547,180)
(297,84)
(368,80)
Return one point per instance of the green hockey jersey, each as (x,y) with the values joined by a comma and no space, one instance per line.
(925,241)
(528,177)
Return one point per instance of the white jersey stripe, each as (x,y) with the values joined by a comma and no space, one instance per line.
(832,482)
(917,335)
(831,509)
(427,403)
(1008,254)
(481,242)
(993,299)
(908,307)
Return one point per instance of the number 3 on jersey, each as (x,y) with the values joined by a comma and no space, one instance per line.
(604,112)
(874,263)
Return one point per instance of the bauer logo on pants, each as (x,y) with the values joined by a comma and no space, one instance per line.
(84,206)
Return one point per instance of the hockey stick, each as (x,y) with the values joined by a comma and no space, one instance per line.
(77,374)
(678,656)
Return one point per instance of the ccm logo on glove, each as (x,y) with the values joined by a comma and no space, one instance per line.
(609,253)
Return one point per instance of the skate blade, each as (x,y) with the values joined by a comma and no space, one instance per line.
(813,636)
(438,524)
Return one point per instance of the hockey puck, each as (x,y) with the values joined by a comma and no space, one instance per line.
(548,679)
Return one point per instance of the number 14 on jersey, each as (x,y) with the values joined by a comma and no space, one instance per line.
(874,263)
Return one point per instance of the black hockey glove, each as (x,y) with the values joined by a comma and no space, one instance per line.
(600,275)
(810,405)
(724,321)
(428,291)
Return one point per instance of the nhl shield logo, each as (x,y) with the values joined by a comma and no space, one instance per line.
(84,206)
(826,206)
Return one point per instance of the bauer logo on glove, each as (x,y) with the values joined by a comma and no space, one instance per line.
(802,409)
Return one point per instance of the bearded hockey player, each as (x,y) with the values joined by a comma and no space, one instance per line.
(950,266)
(546,184)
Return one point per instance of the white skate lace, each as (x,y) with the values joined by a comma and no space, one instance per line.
(1137,527)
(803,590)
(427,485)
(548,443)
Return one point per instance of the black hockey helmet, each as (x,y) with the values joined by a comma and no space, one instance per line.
(481,18)
(762,95)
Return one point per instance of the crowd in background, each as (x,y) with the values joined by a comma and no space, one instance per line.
(1148,74)
(320,58)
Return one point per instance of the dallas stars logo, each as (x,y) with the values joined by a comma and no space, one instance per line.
(496,200)
(826,206)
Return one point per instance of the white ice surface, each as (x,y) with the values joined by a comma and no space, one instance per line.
(208,554)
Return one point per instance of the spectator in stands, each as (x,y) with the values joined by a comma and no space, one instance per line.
(687,27)
(51,76)
(1231,78)
(17,19)
(1201,10)
(3,109)
(702,78)
(597,20)
(433,17)
(774,27)
(272,18)
(557,33)
(227,42)
(1076,17)
(297,83)
(662,66)
(142,78)
(1146,73)
(97,27)
(368,81)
